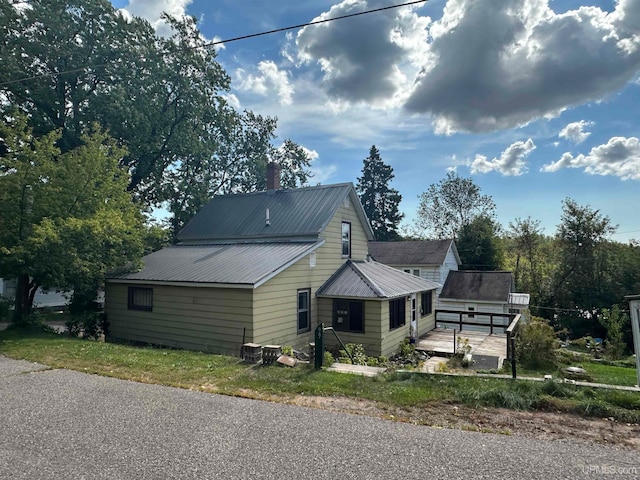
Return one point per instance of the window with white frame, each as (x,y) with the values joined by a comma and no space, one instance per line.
(304,310)
(346,239)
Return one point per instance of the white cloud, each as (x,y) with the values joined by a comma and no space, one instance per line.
(368,59)
(151,10)
(620,157)
(270,78)
(499,64)
(575,131)
(511,162)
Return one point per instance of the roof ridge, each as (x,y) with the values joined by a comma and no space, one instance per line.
(378,291)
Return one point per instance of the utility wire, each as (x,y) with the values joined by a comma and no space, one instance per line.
(229,40)
(315,22)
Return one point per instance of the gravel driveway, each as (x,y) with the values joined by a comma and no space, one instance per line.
(59,424)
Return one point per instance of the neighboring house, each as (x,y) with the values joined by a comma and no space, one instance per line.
(472,291)
(429,259)
(267,268)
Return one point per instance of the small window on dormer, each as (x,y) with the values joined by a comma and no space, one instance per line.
(312,259)
(346,239)
(346,201)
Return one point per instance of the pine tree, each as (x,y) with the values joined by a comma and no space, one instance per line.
(380,202)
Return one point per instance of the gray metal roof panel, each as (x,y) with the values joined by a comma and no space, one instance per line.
(240,263)
(419,252)
(478,285)
(292,213)
(373,280)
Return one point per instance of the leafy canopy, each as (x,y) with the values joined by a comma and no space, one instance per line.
(450,204)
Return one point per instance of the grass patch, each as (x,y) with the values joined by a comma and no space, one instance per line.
(228,375)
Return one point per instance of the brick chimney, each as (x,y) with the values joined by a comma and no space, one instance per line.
(273,176)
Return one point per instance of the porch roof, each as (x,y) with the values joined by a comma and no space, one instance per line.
(372,280)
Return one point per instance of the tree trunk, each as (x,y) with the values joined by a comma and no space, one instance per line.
(25,291)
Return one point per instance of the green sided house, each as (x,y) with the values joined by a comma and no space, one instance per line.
(267,268)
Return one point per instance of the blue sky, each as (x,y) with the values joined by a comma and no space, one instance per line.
(536,100)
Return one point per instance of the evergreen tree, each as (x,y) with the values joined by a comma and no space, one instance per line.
(379,201)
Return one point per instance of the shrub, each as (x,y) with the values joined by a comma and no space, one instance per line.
(89,325)
(536,344)
(613,320)
(287,350)
(5,307)
(357,353)
(328,359)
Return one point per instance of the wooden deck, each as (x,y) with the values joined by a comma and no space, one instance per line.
(441,341)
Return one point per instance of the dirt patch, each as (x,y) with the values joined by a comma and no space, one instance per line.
(543,425)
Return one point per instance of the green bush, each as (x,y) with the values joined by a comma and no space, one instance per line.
(89,325)
(536,344)
(327,359)
(287,350)
(357,353)
(5,307)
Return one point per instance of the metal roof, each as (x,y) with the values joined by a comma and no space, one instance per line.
(301,212)
(478,285)
(372,280)
(248,263)
(420,252)
(519,299)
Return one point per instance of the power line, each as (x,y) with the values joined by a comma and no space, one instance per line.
(229,40)
(315,22)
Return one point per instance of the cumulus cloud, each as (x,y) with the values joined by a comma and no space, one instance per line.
(499,64)
(371,58)
(620,157)
(269,79)
(152,10)
(512,161)
(575,131)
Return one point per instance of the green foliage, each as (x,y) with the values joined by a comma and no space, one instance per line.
(582,278)
(327,359)
(479,245)
(163,98)
(357,353)
(380,202)
(5,306)
(69,216)
(614,320)
(90,325)
(536,344)
(462,346)
(407,349)
(451,204)
(287,350)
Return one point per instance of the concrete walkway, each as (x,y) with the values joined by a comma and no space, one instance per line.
(356,369)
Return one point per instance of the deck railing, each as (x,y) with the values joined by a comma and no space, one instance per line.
(465,318)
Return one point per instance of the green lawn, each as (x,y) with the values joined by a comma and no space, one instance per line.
(228,375)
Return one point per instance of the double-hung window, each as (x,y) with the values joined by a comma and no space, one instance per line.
(304,310)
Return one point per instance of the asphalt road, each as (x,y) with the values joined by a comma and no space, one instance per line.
(59,424)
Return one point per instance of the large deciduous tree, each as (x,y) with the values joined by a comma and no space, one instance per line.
(66,218)
(73,62)
(449,205)
(479,245)
(380,202)
(584,267)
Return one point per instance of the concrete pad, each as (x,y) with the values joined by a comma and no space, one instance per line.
(434,364)
(356,369)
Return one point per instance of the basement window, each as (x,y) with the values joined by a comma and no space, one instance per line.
(140,298)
